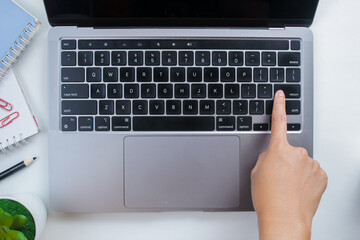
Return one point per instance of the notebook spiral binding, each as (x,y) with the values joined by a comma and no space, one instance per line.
(11,144)
(21,43)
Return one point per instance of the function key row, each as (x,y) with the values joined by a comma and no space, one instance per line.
(221,123)
(178,74)
(245,44)
(181,58)
(132,91)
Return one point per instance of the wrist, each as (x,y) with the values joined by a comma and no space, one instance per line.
(284,228)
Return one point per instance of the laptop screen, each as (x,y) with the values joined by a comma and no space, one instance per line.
(211,13)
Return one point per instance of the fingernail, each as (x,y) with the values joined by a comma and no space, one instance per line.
(280,93)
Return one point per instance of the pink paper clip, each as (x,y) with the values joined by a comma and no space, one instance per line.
(5,105)
(8,119)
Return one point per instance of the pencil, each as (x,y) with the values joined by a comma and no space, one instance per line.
(17,167)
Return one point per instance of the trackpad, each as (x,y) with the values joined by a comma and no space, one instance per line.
(182,172)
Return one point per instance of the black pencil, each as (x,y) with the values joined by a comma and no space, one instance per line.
(17,167)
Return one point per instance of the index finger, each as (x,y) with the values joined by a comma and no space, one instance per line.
(278,122)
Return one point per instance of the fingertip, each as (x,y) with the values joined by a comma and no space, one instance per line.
(279,122)
(280,93)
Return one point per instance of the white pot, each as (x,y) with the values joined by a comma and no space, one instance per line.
(36,208)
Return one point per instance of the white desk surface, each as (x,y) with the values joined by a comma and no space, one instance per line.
(337,138)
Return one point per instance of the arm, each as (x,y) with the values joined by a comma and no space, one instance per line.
(286,184)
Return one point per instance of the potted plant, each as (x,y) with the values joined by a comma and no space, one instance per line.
(22,217)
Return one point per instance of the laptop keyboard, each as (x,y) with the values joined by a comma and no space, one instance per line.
(177,85)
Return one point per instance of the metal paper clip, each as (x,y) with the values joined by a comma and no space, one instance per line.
(8,119)
(5,105)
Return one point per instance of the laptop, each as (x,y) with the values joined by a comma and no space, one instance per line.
(166,105)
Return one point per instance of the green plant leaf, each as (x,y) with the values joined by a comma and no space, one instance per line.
(17,235)
(6,219)
(1,211)
(4,230)
(19,221)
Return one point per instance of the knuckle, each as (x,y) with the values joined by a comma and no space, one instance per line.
(302,151)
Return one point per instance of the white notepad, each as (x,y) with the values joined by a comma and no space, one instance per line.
(24,125)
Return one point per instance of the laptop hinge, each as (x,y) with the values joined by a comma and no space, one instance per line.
(277,28)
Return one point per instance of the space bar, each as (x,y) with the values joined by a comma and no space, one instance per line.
(174,123)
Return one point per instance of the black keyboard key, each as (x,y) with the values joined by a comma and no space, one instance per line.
(248,90)
(264,91)
(257,107)
(140,107)
(93,74)
(165,90)
(225,123)
(232,91)
(121,123)
(177,74)
(194,74)
(227,75)
(144,74)
(123,107)
(215,90)
(169,58)
(261,127)
(72,74)
(252,59)
(148,90)
(261,75)
(114,90)
(182,91)
(106,107)
(79,107)
(174,123)
(290,90)
(75,91)
(219,58)
(110,75)
(102,58)
(236,58)
(161,74)
(276,75)
(293,107)
(293,127)
(157,107)
(198,90)
(269,107)
(211,74)
(85,58)
(68,124)
(268,58)
(202,58)
(86,124)
(240,107)
(136,58)
(118,58)
(289,59)
(102,124)
(152,58)
(244,123)
(244,74)
(68,44)
(98,91)
(173,107)
(131,91)
(293,75)
(295,45)
(68,58)
(223,107)
(127,74)
(207,107)
(190,107)
(186,58)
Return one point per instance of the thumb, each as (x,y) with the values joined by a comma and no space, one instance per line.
(278,122)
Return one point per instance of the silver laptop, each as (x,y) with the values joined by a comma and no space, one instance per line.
(166,105)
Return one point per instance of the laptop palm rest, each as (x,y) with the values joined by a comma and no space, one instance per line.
(181,172)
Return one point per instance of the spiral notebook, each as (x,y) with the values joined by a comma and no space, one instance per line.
(17,123)
(17,28)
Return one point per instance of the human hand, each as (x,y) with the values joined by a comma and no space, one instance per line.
(286,184)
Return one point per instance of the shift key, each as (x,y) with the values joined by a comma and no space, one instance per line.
(80,107)
(290,90)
